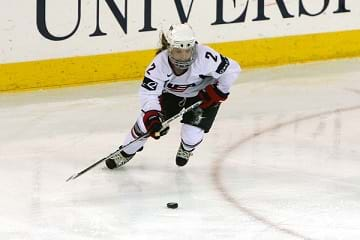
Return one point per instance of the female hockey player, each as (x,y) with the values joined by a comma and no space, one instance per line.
(182,73)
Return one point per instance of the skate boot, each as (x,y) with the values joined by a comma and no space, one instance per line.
(119,158)
(182,156)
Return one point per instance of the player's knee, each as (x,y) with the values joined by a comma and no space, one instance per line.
(191,135)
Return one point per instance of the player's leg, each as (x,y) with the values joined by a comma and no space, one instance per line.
(129,152)
(170,107)
(195,125)
(191,136)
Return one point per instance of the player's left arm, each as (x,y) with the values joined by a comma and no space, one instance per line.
(227,77)
(225,71)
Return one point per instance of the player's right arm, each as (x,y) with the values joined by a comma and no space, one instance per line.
(152,85)
(150,91)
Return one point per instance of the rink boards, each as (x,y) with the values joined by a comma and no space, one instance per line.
(131,65)
(74,43)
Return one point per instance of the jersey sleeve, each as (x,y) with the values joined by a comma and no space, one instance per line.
(224,69)
(152,85)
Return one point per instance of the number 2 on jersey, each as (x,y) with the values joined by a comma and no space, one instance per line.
(152,67)
(209,55)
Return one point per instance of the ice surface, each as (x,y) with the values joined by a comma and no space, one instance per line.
(282,161)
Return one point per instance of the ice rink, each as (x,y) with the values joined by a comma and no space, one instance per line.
(282,161)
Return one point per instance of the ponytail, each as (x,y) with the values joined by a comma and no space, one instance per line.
(164,44)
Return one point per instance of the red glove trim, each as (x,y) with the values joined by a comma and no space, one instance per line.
(151,118)
(152,122)
(211,95)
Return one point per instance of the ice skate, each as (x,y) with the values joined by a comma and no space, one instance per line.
(182,156)
(119,158)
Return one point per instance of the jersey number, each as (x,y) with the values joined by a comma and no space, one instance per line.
(209,55)
(152,67)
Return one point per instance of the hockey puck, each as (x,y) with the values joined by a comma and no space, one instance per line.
(172,205)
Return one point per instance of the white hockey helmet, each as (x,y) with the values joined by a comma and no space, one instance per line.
(181,36)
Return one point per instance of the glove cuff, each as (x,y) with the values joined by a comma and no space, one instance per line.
(150,116)
(222,95)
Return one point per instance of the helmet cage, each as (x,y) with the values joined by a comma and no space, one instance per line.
(183,64)
(181,36)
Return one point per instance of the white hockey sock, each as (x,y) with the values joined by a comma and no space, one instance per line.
(137,131)
(191,136)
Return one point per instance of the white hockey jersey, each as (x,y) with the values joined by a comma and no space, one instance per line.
(209,67)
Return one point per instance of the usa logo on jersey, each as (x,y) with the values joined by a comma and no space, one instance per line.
(179,88)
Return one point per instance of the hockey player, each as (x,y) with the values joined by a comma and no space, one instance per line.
(182,73)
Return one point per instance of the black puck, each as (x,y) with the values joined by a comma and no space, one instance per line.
(172,205)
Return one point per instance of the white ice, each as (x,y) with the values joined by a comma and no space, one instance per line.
(282,161)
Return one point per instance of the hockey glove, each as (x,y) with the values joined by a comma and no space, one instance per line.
(152,122)
(211,96)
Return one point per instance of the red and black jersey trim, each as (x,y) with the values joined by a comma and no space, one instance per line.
(192,146)
(136,131)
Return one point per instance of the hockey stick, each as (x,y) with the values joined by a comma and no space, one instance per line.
(165,124)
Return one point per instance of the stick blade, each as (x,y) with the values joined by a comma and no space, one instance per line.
(72,177)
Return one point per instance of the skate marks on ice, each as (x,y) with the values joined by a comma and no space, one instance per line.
(237,203)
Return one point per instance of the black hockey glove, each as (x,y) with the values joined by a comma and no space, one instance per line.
(153,123)
(211,96)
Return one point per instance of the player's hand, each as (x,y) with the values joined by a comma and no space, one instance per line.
(211,96)
(153,123)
